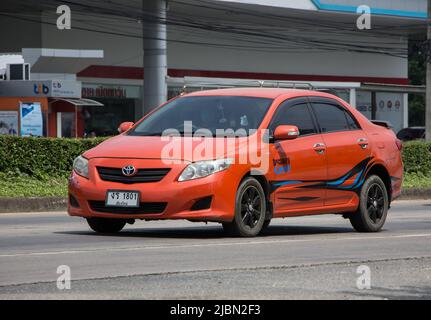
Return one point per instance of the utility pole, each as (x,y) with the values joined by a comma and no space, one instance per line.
(428,84)
(155,54)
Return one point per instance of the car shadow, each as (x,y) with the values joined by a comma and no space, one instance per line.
(291,230)
(211,232)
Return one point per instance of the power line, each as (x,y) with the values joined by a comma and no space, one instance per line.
(278,41)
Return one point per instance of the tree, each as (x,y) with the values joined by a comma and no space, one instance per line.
(417,76)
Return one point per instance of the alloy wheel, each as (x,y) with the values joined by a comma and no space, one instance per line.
(251,207)
(375,203)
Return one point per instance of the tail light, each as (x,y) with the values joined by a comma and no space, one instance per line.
(399,144)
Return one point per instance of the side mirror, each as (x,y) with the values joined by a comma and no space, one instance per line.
(286,133)
(125,126)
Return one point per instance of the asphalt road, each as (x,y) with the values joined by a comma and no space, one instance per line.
(297,258)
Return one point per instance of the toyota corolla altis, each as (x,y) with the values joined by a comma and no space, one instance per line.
(241,157)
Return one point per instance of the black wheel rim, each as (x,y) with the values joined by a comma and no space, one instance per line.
(251,207)
(375,203)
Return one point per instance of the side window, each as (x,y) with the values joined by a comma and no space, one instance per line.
(297,115)
(331,118)
(351,122)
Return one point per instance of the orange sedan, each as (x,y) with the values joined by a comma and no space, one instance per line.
(241,157)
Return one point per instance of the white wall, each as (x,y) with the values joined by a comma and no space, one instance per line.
(321,63)
(410,5)
(16,34)
(294,4)
(118,50)
(126,51)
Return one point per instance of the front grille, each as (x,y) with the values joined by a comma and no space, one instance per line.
(144,208)
(141,176)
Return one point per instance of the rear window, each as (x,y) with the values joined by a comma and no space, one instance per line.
(333,118)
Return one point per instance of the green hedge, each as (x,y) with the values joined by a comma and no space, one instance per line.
(41,157)
(417,157)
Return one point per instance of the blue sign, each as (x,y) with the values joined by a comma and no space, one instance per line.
(403,8)
(31,119)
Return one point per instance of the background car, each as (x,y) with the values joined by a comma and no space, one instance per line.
(411,133)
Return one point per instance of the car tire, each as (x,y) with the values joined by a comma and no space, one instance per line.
(373,206)
(250,209)
(106,225)
(266,224)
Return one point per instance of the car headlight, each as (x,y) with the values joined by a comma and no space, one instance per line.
(80,165)
(202,169)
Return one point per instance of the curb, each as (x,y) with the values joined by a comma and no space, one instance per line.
(415,194)
(42,204)
(32,204)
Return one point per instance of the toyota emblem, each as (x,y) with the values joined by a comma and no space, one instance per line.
(128,171)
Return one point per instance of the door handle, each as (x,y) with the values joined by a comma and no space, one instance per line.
(363,143)
(319,148)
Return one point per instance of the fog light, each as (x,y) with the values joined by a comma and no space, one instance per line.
(73,202)
(202,204)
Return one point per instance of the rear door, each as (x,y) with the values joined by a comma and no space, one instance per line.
(347,150)
(297,166)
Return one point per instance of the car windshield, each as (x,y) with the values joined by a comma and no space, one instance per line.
(216,115)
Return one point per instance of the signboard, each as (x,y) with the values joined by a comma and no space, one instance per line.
(42,88)
(403,8)
(8,123)
(31,119)
(390,107)
(90,90)
(65,89)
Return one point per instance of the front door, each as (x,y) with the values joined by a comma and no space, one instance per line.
(298,166)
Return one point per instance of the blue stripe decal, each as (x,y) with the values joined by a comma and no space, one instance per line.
(285,183)
(340,181)
(389,12)
(359,170)
(354,185)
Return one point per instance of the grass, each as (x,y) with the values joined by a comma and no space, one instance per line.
(21,185)
(416,180)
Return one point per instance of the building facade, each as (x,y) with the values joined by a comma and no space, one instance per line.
(222,43)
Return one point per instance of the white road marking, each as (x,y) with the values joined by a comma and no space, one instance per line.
(32,213)
(215,244)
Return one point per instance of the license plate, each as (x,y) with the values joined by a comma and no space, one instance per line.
(122,199)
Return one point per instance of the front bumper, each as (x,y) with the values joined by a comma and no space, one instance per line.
(178,196)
